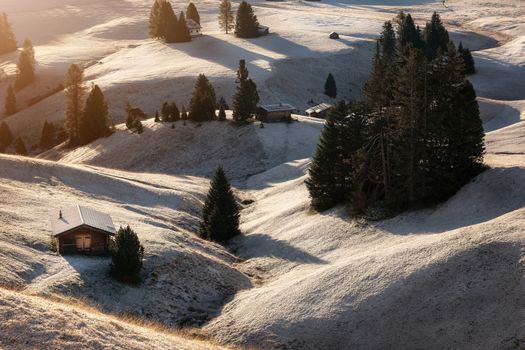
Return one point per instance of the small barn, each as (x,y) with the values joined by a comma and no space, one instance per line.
(277,112)
(319,111)
(333,35)
(263,30)
(80,229)
(194,27)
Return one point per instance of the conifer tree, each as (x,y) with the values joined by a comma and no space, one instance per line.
(246,97)
(470,67)
(226,19)
(20,147)
(330,89)
(158,19)
(192,13)
(6,137)
(7,38)
(246,24)
(25,74)
(165,112)
(183,33)
(222,114)
(435,37)
(220,213)
(175,113)
(127,254)
(74,93)
(183,114)
(30,50)
(408,34)
(94,122)
(222,103)
(172,26)
(203,101)
(47,138)
(10,102)
(157,119)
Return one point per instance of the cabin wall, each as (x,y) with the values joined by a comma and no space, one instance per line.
(83,240)
(274,116)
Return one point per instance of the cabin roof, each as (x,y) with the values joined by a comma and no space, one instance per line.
(319,108)
(191,24)
(280,107)
(77,216)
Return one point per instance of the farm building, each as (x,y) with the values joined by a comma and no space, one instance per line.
(263,30)
(82,230)
(194,27)
(277,112)
(333,35)
(319,111)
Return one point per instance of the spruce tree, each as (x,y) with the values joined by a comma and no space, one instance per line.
(222,103)
(192,13)
(220,213)
(183,33)
(10,102)
(470,67)
(28,47)
(20,147)
(330,89)
(6,137)
(159,15)
(165,112)
(226,19)
(175,113)
(246,24)
(408,34)
(435,37)
(127,254)
(183,114)
(47,138)
(172,29)
(203,101)
(7,38)
(246,97)
(25,71)
(74,92)
(94,122)
(157,119)
(222,114)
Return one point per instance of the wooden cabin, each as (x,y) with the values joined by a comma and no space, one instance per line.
(81,230)
(319,111)
(194,28)
(277,112)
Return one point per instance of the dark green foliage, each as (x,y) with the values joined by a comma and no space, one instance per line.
(172,26)
(246,24)
(7,38)
(203,101)
(158,20)
(183,33)
(165,112)
(20,147)
(10,102)
(137,125)
(470,67)
(246,97)
(330,88)
(435,36)
(48,136)
(6,137)
(220,213)
(133,118)
(25,73)
(192,13)
(29,49)
(226,20)
(74,93)
(408,34)
(94,122)
(184,114)
(157,119)
(127,255)
(222,114)
(174,112)
(222,103)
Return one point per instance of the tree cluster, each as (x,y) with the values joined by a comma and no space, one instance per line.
(127,256)
(134,117)
(246,23)
(203,101)
(220,213)
(470,66)
(246,97)
(415,139)
(7,37)
(165,24)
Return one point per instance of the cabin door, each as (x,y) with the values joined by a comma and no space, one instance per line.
(83,242)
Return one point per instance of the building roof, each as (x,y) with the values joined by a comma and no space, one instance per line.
(77,216)
(191,24)
(281,107)
(319,108)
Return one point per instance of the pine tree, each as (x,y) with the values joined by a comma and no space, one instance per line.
(94,122)
(222,114)
(203,101)
(174,111)
(158,19)
(172,29)
(183,114)
(127,255)
(408,34)
(165,112)
(220,213)
(183,33)
(330,89)
(246,97)
(74,93)
(470,67)
(28,47)
(10,102)
(47,138)
(246,24)
(226,19)
(7,38)
(222,103)
(192,13)
(435,37)
(25,71)
(20,147)
(6,137)
(157,119)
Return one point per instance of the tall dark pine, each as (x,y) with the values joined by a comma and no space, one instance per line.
(246,97)
(94,122)
(220,213)
(183,33)
(47,138)
(171,27)
(408,34)
(74,92)
(165,112)
(6,137)
(226,19)
(20,147)
(28,47)
(470,67)
(435,36)
(174,112)
(127,255)
(330,88)
(192,13)
(222,114)
(203,101)
(10,102)
(7,38)
(158,19)
(25,71)
(246,24)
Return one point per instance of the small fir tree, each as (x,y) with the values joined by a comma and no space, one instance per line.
(165,112)
(222,114)
(7,38)
(470,66)
(184,114)
(192,13)
(6,137)
(174,111)
(47,138)
(25,74)
(220,213)
(127,256)
(226,19)
(203,101)
(330,88)
(10,102)
(157,119)
(246,24)
(74,92)
(183,33)
(246,97)
(20,147)
(28,47)
(94,122)
(435,36)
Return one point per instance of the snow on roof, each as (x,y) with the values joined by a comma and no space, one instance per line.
(319,108)
(278,107)
(191,24)
(77,216)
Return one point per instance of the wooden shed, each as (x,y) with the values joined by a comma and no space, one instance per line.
(319,111)
(277,112)
(82,230)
